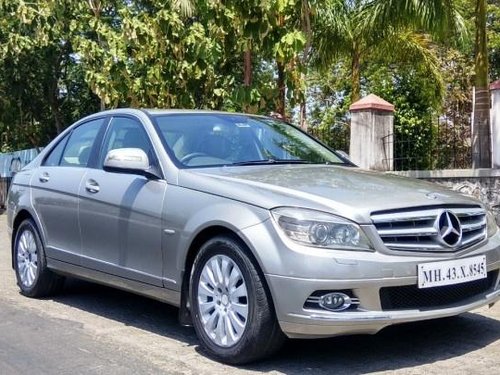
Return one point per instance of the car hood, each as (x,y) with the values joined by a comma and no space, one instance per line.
(347,191)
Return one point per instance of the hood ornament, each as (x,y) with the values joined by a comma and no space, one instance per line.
(435,195)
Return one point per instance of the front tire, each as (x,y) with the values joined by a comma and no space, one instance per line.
(33,277)
(232,311)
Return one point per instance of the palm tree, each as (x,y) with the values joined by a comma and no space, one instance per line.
(385,30)
(441,17)
(481,134)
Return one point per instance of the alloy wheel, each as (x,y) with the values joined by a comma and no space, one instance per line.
(27,258)
(222,300)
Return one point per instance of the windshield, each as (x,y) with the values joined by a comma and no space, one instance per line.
(202,140)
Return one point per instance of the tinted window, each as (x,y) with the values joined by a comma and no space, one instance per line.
(80,143)
(125,132)
(55,154)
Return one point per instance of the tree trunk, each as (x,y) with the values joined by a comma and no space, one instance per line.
(247,76)
(481,134)
(303,114)
(34,141)
(53,91)
(355,75)
(96,7)
(53,96)
(247,73)
(280,105)
(280,65)
(307,29)
(54,107)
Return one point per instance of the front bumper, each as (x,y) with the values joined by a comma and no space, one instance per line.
(298,322)
(293,275)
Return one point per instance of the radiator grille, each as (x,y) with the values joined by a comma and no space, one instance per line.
(417,230)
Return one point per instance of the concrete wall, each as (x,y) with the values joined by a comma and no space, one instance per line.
(495,123)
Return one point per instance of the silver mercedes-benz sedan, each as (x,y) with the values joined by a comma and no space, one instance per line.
(254,229)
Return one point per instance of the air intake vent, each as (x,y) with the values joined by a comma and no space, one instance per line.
(438,229)
(411,297)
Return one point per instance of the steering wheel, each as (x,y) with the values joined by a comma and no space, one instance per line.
(188,157)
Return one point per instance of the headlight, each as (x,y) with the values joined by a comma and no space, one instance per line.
(319,229)
(491,224)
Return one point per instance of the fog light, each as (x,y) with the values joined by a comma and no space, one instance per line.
(335,301)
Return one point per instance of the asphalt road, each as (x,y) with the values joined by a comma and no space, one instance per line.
(91,329)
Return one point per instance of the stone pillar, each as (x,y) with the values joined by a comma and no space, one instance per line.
(372,124)
(495,123)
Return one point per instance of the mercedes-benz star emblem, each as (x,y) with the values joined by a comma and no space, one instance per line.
(449,229)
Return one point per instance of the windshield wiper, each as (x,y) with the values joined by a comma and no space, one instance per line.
(271,161)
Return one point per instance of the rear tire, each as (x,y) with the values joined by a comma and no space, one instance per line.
(34,279)
(231,308)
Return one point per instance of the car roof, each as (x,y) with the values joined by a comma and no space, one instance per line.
(190,111)
(140,112)
(158,111)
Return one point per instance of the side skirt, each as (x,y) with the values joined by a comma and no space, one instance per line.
(169,296)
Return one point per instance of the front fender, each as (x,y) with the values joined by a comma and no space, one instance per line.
(189,212)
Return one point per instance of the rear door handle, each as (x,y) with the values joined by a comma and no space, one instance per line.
(92,186)
(44,177)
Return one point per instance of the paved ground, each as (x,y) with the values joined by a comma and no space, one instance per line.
(91,329)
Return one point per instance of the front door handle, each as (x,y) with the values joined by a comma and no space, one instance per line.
(92,186)
(44,177)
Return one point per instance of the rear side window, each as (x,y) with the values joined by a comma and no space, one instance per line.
(79,146)
(55,154)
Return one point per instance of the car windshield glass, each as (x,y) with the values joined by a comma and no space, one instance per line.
(202,140)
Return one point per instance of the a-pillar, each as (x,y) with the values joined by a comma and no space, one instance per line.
(372,124)
(495,122)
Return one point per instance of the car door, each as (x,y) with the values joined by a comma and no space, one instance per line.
(121,213)
(55,186)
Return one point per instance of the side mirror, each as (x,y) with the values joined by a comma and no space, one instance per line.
(129,160)
(343,154)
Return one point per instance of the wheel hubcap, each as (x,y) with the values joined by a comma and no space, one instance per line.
(27,258)
(222,300)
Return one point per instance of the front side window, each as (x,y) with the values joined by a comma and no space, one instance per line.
(218,139)
(79,147)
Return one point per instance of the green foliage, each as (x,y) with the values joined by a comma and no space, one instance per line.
(41,83)
(414,130)
(329,100)
(493,25)
(60,60)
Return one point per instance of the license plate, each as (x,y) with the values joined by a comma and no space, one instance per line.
(451,272)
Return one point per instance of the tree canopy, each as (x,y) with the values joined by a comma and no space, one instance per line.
(305,59)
